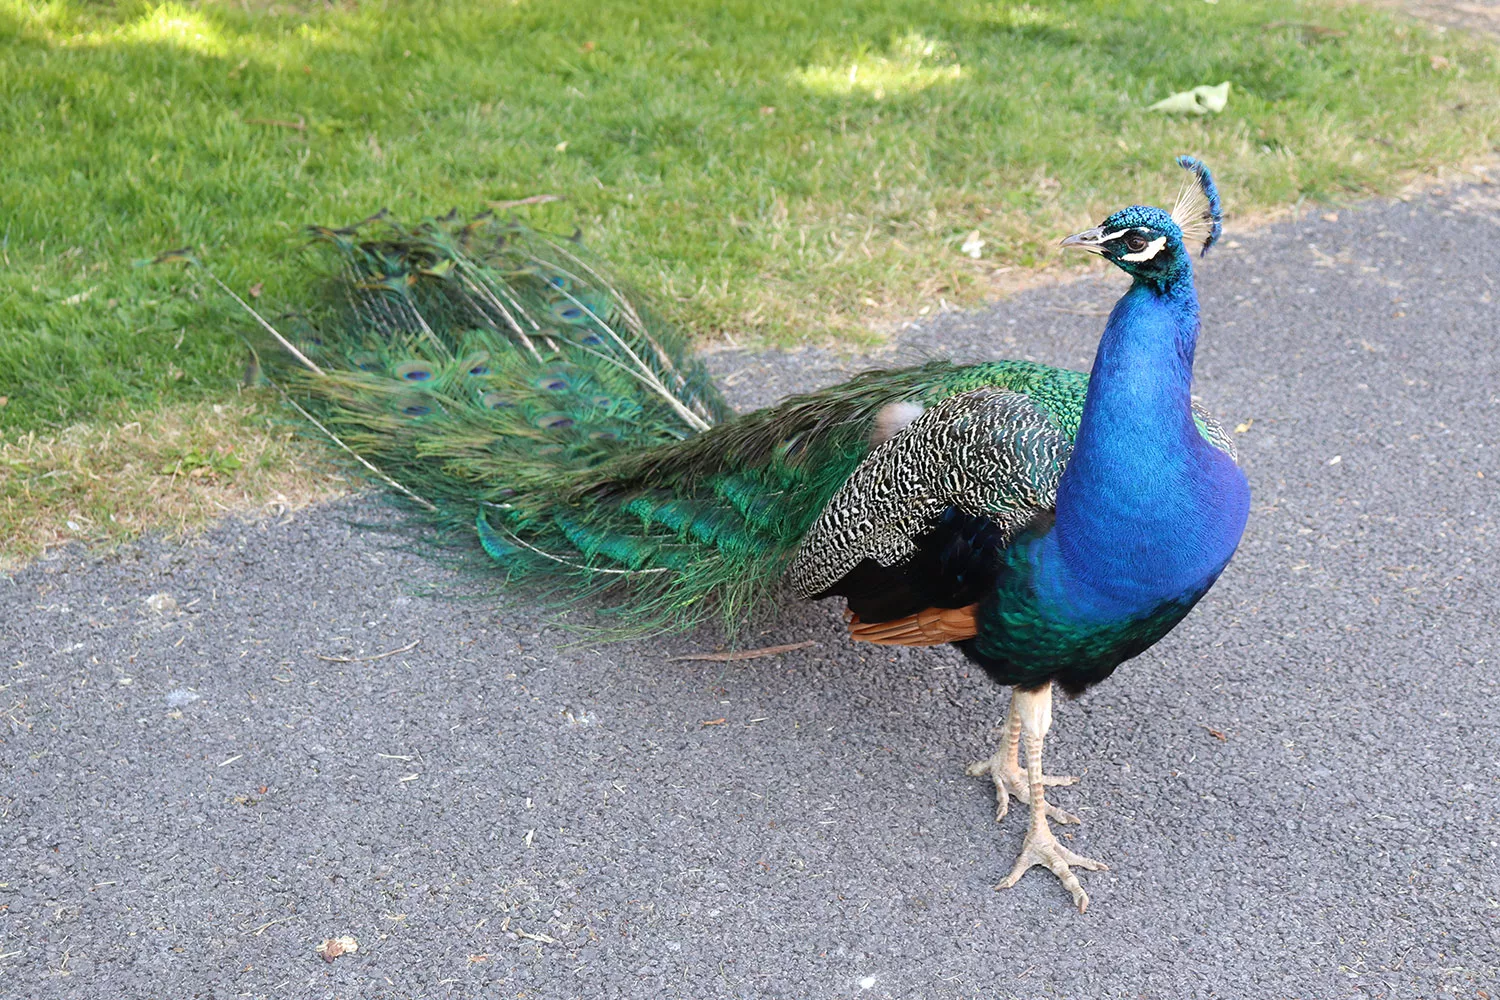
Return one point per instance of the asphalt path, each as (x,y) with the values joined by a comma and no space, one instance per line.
(1296,791)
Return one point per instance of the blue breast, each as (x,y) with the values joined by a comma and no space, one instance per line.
(1148,512)
(1147,509)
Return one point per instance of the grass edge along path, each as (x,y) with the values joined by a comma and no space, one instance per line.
(174,470)
(761,171)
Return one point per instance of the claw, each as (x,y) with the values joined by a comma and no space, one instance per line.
(1010,780)
(1042,848)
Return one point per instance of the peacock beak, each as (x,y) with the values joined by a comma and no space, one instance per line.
(1091,240)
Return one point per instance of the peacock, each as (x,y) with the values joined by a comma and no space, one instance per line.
(1051,524)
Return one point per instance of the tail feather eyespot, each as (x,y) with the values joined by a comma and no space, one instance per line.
(570,312)
(554,382)
(415,407)
(415,371)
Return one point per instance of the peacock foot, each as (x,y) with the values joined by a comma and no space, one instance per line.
(1005,771)
(1042,848)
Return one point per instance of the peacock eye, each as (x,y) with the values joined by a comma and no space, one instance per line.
(1136,243)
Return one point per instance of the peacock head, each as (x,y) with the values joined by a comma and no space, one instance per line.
(1151,243)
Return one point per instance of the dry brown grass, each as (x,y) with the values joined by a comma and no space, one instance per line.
(172,471)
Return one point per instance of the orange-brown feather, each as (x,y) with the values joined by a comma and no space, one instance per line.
(931,627)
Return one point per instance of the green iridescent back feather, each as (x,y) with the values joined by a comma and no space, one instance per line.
(505,381)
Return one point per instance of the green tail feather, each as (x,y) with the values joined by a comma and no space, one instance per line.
(496,374)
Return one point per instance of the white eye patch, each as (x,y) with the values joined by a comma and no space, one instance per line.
(1152,249)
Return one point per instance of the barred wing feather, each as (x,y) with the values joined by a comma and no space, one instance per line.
(989,453)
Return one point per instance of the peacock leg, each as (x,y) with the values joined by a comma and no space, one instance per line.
(1041,847)
(1004,768)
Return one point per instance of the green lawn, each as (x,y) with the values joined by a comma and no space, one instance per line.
(776,170)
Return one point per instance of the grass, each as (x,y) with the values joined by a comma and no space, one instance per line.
(106,482)
(767,169)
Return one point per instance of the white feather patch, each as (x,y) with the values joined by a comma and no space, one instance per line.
(892,419)
(1152,249)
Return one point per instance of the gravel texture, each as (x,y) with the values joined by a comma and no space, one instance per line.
(1296,791)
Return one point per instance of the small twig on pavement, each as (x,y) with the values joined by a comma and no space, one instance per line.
(271,923)
(744,654)
(366,659)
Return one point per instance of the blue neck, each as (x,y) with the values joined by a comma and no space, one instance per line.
(1139,404)
(1138,518)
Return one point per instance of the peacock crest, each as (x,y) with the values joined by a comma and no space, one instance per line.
(1197,211)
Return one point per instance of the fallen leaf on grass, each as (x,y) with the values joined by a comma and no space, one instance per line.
(334,947)
(1204,100)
